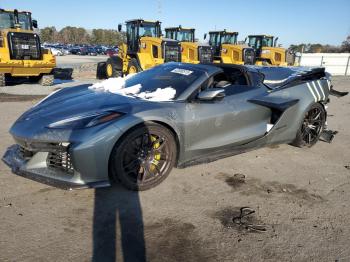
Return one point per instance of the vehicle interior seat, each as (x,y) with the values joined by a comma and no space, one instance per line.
(223,84)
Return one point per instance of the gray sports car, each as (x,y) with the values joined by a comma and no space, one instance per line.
(172,115)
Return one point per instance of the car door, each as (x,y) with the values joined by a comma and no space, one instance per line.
(229,121)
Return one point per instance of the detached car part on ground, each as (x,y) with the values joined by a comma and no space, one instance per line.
(21,55)
(171,115)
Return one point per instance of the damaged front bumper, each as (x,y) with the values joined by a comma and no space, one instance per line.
(48,168)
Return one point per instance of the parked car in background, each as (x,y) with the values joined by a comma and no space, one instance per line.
(111,52)
(75,51)
(91,51)
(56,52)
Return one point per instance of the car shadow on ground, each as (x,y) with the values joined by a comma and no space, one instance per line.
(118,216)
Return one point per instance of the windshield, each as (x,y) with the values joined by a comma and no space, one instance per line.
(259,41)
(7,20)
(267,41)
(229,39)
(174,76)
(149,30)
(185,36)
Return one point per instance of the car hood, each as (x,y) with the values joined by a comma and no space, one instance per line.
(80,100)
(71,102)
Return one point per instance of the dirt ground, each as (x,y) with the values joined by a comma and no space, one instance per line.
(300,197)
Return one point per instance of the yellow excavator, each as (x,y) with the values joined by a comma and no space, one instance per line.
(191,51)
(266,50)
(226,49)
(21,55)
(144,49)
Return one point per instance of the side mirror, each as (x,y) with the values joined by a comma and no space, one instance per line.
(211,94)
(275,44)
(205,36)
(245,39)
(35,24)
(119,27)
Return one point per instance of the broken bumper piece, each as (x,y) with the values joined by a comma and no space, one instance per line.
(328,135)
(43,167)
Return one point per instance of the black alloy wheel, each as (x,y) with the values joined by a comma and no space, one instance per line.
(312,126)
(144,157)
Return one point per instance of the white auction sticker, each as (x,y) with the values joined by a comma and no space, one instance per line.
(182,71)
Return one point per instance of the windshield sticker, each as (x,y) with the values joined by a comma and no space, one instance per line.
(182,71)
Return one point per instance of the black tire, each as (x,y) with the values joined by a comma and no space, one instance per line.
(143,157)
(46,80)
(34,79)
(2,80)
(312,126)
(133,66)
(112,69)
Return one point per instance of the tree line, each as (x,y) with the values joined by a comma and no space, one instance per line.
(318,48)
(79,35)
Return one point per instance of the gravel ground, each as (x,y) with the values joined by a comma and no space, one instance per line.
(300,197)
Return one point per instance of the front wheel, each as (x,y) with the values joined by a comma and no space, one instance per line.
(312,127)
(133,66)
(111,69)
(144,157)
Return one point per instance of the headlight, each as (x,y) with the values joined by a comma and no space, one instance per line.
(78,122)
(224,50)
(265,51)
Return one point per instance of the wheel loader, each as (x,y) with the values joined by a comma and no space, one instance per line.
(191,51)
(21,55)
(144,49)
(266,50)
(226,49)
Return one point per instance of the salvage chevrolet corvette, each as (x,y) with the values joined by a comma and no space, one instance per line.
(136,129)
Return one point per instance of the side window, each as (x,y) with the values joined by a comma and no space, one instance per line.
(233,81)
(155,51)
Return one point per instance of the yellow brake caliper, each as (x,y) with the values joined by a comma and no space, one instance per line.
(156,157)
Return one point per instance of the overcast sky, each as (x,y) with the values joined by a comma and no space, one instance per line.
(308,21)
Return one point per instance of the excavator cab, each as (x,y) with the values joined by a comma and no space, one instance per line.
(191,51)
(136,29)
(144,49)
(266,50)
(226,49)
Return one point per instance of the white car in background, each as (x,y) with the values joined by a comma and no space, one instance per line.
(56,52)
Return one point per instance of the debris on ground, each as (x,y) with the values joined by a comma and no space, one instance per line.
(347,167)
(243,220)
(236,180)
(8,205)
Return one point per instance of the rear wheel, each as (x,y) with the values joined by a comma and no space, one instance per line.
(111,69)
(312,127)
(46,80)
(2,80)
(133,66)
(144,157)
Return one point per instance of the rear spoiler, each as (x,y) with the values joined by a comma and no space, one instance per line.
(337,93)
(290,75)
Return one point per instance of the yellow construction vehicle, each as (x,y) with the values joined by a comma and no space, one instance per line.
(21,54)
(191,51)
(266,51)
(144,49)
(226,49)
